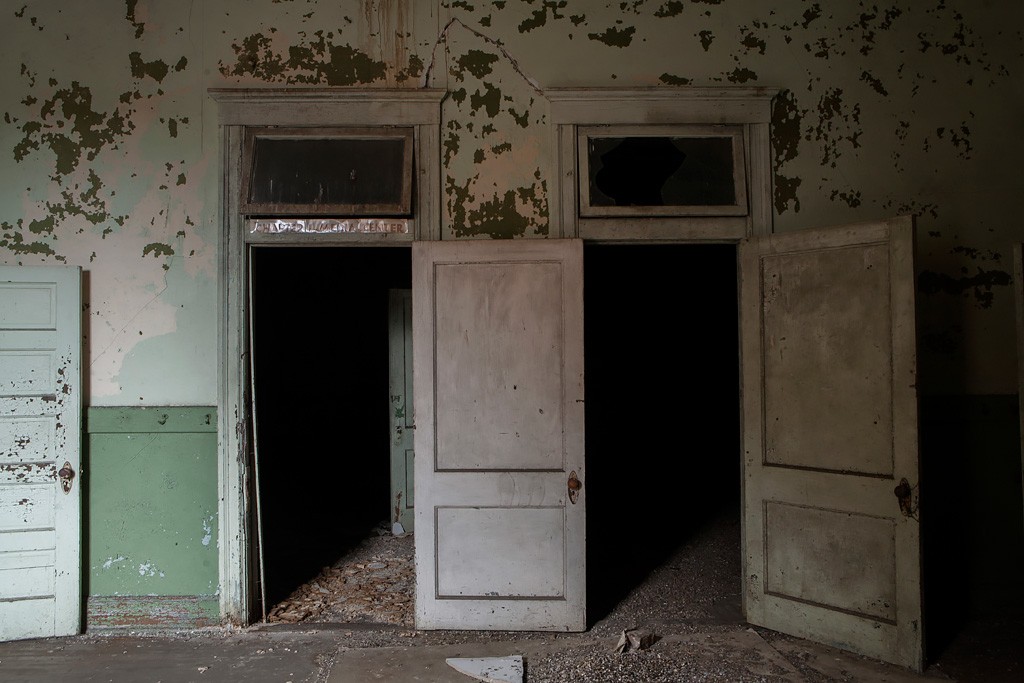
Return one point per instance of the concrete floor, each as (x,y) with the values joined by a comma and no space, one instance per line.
(702,637)
(342,655)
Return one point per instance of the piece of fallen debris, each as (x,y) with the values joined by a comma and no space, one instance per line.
(489,669)
(635,639)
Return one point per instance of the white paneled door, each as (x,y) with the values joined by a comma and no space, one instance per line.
(400,407)
(831,520)
(500,477)
(40,451)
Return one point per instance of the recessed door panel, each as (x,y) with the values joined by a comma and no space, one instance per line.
(831,522)
(500,477)
(40,455)
(501,327)
(812,371)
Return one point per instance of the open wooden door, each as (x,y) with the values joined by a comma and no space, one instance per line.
(400,414)
(1018,291)
(498,383)
(40,451)
(828,350)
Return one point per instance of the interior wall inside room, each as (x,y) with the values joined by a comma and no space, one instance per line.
(662,406)
(112,146)
(320,348)
(112,161)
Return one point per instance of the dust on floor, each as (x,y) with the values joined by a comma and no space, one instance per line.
(372,584)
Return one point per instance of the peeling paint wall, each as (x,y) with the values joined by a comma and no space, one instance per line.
(109,160)
(109,142)
(105,166)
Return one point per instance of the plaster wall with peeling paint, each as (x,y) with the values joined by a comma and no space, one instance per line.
(109,143)
(111,146)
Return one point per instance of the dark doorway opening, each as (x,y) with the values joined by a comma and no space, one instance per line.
(320,353)
(662,417)
(662,409)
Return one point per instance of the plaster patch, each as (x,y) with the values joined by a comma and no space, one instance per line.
(207,531)
(741,75)
(672,79)
(494,184)
(851,198)
(157,69)
(318,61)
(67,124)
(148,569)
(328,56)
(111,561)
(539,17)
(139,26)
(838,127)
(785,139)
(671,8)
(613,36)
(875,83)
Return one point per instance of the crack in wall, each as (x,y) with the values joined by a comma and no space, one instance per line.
(443,38)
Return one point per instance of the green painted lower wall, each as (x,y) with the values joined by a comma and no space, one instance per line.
(150,511)
(150,508)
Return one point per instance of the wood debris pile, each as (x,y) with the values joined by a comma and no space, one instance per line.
(373,584)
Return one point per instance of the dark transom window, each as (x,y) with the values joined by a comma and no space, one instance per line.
(639,172)
(323,171)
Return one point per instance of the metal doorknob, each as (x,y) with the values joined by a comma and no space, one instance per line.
(66,474)
(574,485)
(905,495)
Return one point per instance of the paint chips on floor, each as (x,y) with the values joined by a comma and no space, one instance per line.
(375,583)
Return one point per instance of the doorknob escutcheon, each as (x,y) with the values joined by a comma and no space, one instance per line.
(66,474)
(574,485)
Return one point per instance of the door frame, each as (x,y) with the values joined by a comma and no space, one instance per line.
(242,108)
(239,109)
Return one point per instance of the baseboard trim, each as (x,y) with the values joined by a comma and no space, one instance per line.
(152,611)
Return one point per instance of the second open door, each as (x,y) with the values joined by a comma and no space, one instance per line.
(831,546)
(831,524)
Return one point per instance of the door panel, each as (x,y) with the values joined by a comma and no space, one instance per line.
(807,333)
(498,368)
(40,433)
(400,385)
(831,553)
(1018,291)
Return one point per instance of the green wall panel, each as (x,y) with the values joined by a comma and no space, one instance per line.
(151,502)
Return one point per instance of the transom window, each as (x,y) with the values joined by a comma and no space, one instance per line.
(350,172)
(662,171)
